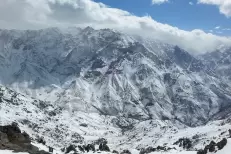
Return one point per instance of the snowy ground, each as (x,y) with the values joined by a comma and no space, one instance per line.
(9,152)
(62,129)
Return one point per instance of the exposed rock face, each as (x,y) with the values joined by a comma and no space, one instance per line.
(125,152)
(147,150)
(222,144)
(112,73)
(114,151)
(41,140)
(90,147)
(185,143)
(104,147)
(11,138)
(51,149)
(70,148)
(213,146)
(100,141)
(151,149)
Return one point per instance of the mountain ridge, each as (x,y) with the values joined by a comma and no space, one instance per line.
(77,85)
(96,69)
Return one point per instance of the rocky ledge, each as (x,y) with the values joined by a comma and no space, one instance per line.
(11,138)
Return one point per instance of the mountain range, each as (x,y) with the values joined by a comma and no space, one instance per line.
(76,85)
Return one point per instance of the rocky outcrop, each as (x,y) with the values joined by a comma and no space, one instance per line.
(213,146)
(11,138)
(222,144)
(70,148)
(185,143)
(125,152)
(104,147)
(116,152)
(157,149)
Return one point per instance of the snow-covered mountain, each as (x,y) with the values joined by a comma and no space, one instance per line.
(86,84)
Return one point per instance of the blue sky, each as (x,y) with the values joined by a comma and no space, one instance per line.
(178,13)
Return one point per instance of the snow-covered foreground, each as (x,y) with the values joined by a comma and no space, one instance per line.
(10,152)
(68,127)
(175,152)
(225,150)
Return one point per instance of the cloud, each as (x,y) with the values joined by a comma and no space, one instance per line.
(31,14)
(224,5)
(218,27)
(159,1)
(191,3)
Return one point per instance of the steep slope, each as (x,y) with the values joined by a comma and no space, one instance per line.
(61,128)
(218,64)
(75,86)
(106,72)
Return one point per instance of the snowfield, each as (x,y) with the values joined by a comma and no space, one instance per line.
(225,150)
(10,152)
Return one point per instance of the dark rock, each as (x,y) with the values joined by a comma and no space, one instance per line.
(26,137)
(125,152)
(81,148)
(10,129)
(41,140)
(11,138)
(90,147)
(148,150)
(212,147)
(78,138)
(185,143)
(103,147)
(63,149)
(161,148)
(114,151)
(3,138)
(14,134)
(101,141)
(222,143)
(70,148)
(201,152)
(52,113)
(51,149)
(84,125)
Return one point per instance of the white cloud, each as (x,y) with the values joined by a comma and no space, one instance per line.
(191,3)
(224,5)
(159,1)
(31,14)
(218,27)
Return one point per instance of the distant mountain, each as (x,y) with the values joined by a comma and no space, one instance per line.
(103,73)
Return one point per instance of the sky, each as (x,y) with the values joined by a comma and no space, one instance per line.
(184,14)
(197,26)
